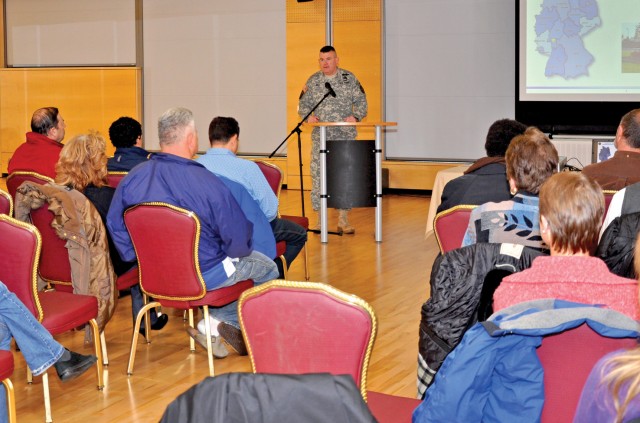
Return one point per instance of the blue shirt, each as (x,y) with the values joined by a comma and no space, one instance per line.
(225,231)
(223,162)
(263,240)
(125,159)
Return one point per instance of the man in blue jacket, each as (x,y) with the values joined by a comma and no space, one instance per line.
(226,251)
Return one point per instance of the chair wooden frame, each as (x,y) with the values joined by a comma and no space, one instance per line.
(347,299)
(5,197)
(277,191)
(204,298)
(39,313)
(443,214)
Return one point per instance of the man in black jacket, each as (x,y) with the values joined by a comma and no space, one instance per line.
(486,179)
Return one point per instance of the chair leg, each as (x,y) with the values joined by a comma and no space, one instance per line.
(207,326)
(147,319)
(11,400)
(97,343)
(136,328)
(47,398)
(192,343)
(105,356)
(307,276)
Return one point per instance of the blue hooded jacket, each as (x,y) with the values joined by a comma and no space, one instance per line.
(494,374)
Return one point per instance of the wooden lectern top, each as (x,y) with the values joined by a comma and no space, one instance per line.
(353,124)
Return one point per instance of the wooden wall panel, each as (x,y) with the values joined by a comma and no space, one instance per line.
(88,98)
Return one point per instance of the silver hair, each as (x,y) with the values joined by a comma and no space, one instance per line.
(173,124)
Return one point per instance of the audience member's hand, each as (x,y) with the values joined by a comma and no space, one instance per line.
(313,119)
(350,119)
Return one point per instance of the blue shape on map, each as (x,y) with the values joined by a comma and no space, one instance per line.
(560,28)
(604,154)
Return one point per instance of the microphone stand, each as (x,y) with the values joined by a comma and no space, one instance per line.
(298,131)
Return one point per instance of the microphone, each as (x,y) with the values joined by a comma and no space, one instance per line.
(328,87)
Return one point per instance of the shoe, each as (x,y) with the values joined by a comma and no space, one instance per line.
(74,366)
(278,261)
(217,347)
(233,336)
(343,223)
(160,322)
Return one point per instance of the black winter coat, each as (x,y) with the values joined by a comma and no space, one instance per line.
(457,279)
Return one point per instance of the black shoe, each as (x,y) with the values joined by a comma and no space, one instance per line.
(233,336)
(160,322)
(74,366)
(280,265)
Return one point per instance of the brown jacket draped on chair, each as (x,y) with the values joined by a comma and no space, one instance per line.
(78,223)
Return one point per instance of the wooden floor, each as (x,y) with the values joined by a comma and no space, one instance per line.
(392,276)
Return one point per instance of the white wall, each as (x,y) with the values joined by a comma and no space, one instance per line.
(70,32)
(450,73)
(217,58)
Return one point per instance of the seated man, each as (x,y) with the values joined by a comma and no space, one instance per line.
(36,344)
(126,136)
(226,251)
(41,150)
(624,167)
(486,179)
(571,210)
(221,159)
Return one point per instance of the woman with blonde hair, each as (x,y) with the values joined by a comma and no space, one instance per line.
(612,390)
(83,166)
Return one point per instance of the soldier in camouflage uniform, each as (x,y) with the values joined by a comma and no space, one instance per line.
(348,105)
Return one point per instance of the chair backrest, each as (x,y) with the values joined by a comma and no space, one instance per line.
(6,203)
(15,179)
(608,196)
(166,240)
(273,174)
(54,260)
(20,245)
(307,327)
(567,359)
(450,226)
(114,177)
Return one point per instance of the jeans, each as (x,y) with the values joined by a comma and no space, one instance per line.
(255,266)
(293,234)
(36,344)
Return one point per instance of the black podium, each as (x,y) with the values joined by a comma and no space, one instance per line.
(377,150)
(351,174)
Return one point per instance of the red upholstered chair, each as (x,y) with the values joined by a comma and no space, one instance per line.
(55,268)
(608,196)
(114,177)
(450,226)
(57,311)
(315,328)
(166,240)
(6,203)
(6,370)
(15,179)
(274,177)
(567,359)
